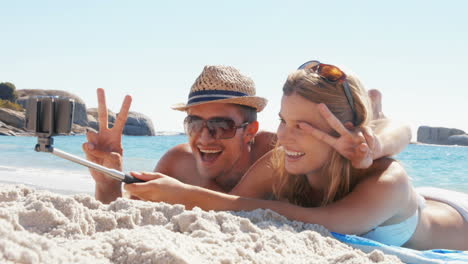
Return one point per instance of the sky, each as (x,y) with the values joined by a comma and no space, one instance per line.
(414,52)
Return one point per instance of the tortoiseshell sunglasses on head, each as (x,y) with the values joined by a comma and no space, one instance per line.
(331,74)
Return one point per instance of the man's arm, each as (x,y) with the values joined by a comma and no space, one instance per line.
(105,148)
(106,189)
(392,137)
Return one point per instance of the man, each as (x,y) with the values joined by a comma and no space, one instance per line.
(223,101)
(222,127)
(224,141)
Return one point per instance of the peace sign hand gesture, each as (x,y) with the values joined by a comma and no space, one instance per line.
(105,147)
(356,144)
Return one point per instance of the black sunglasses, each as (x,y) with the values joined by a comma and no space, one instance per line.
(331,74)
(218,127)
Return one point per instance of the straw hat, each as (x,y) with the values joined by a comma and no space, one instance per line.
(222,84)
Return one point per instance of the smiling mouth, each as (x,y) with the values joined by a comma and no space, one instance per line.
(293,155)
(209,155)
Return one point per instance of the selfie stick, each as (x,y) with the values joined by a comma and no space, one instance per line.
(50,115)
(44,144)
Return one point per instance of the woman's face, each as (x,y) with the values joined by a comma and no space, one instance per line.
(304,154)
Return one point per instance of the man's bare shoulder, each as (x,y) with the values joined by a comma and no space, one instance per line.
(180,150)
(264,142)
(265,138)
(177,158)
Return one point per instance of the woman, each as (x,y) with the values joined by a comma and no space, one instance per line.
(313,182)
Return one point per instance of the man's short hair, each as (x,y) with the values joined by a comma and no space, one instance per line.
(249,114)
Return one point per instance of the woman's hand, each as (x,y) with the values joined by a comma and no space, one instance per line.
(158,188)
(356,144)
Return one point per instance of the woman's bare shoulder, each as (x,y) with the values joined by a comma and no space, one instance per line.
(386,175)
(258,180)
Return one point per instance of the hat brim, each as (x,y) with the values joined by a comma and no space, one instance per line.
(252,101)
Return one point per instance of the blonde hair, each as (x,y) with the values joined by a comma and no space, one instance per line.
(337,170)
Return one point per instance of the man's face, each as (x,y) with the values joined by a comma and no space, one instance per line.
(215,157)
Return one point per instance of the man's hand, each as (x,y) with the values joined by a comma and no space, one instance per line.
(158,188)
(356,144)
(105,147)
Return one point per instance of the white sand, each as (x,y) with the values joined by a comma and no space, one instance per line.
(44,227)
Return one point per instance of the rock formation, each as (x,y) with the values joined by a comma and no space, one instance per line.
(7,130)
(442,136)
(461,140)
(137,124)
(12,117)
(93,121)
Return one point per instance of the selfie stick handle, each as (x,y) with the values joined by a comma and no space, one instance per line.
(118,175)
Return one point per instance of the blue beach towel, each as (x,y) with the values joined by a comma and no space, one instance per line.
(405,254)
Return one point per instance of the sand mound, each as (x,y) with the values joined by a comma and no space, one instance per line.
(45,227)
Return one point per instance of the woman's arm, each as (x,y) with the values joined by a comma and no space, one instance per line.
(371,203)
(374,201)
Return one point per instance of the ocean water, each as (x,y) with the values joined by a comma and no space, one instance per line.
(428,165)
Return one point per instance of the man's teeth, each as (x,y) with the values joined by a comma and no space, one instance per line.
(209,151)
(294,153)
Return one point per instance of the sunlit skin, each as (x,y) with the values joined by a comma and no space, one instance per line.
(105,148)
(305,134)
(218,157)
(185,163)
(440,225)
(304,153)
(225,160)
(304,123)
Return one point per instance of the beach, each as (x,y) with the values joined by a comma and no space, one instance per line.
(48,214)
(39,226)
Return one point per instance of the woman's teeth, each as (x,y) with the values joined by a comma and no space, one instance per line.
(294,153)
